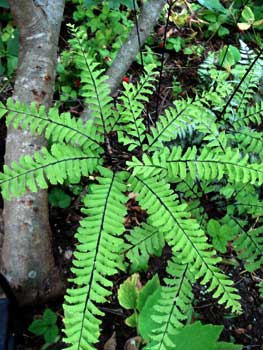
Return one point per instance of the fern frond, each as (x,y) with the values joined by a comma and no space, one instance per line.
(173,306)
(192,192)
(249,246)
(56,127)
(247,140)
(97,257)
(144,241)
(188,241)
(150,166)
(131,127)
(254,209)
(62,163)
(178,118)
(206,66)
(95,89)
(209,166)
(143,90)
(169,125)
(206,166)
(251,114)
(250,85)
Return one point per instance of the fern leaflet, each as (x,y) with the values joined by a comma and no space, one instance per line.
(173,306)
(97,257)
(62,163)
(188,241)
(56,127)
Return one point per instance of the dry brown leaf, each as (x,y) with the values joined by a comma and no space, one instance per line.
(111,343)
(240,331)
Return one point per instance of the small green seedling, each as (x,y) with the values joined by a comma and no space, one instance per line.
(221,234)
(46,326)
(248,20)
(132,296)
(58,198)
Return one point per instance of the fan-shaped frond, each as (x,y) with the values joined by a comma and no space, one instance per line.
(178,118)
(62,163)
(144,241)
(97,257)
(188,241)
(95,89)
(131,128)
(247,140)
(251,114)
(173,306)
(249,246)
(209,166)
(250,68)
(141,93)
(206,166)
(56,127)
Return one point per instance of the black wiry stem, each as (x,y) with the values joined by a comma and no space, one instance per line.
(240,83)
(162,59)
(138,34)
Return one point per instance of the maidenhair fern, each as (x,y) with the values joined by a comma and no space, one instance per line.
(97,257)
(173,306)
(166,175)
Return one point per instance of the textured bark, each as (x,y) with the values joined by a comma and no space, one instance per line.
(127,54)
(27,259)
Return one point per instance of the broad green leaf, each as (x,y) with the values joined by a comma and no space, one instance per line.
(132,320)
(228,56)
(50,317)
(201,337)
(213,5)
(4,3)
(145,322)
(13,44)
(37,327)
(58,198)
(3,110)
(149,288)
(51,334)
(128,292)
(11,64)
(248,15)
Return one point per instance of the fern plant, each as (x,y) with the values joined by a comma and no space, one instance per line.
(166,176)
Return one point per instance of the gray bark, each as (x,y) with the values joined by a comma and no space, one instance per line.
(27,259)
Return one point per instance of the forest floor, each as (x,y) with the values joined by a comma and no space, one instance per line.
(246,329)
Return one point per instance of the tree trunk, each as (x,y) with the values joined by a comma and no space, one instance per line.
(27,259)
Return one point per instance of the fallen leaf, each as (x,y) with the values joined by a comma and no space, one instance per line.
(240,331)
(111,343)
